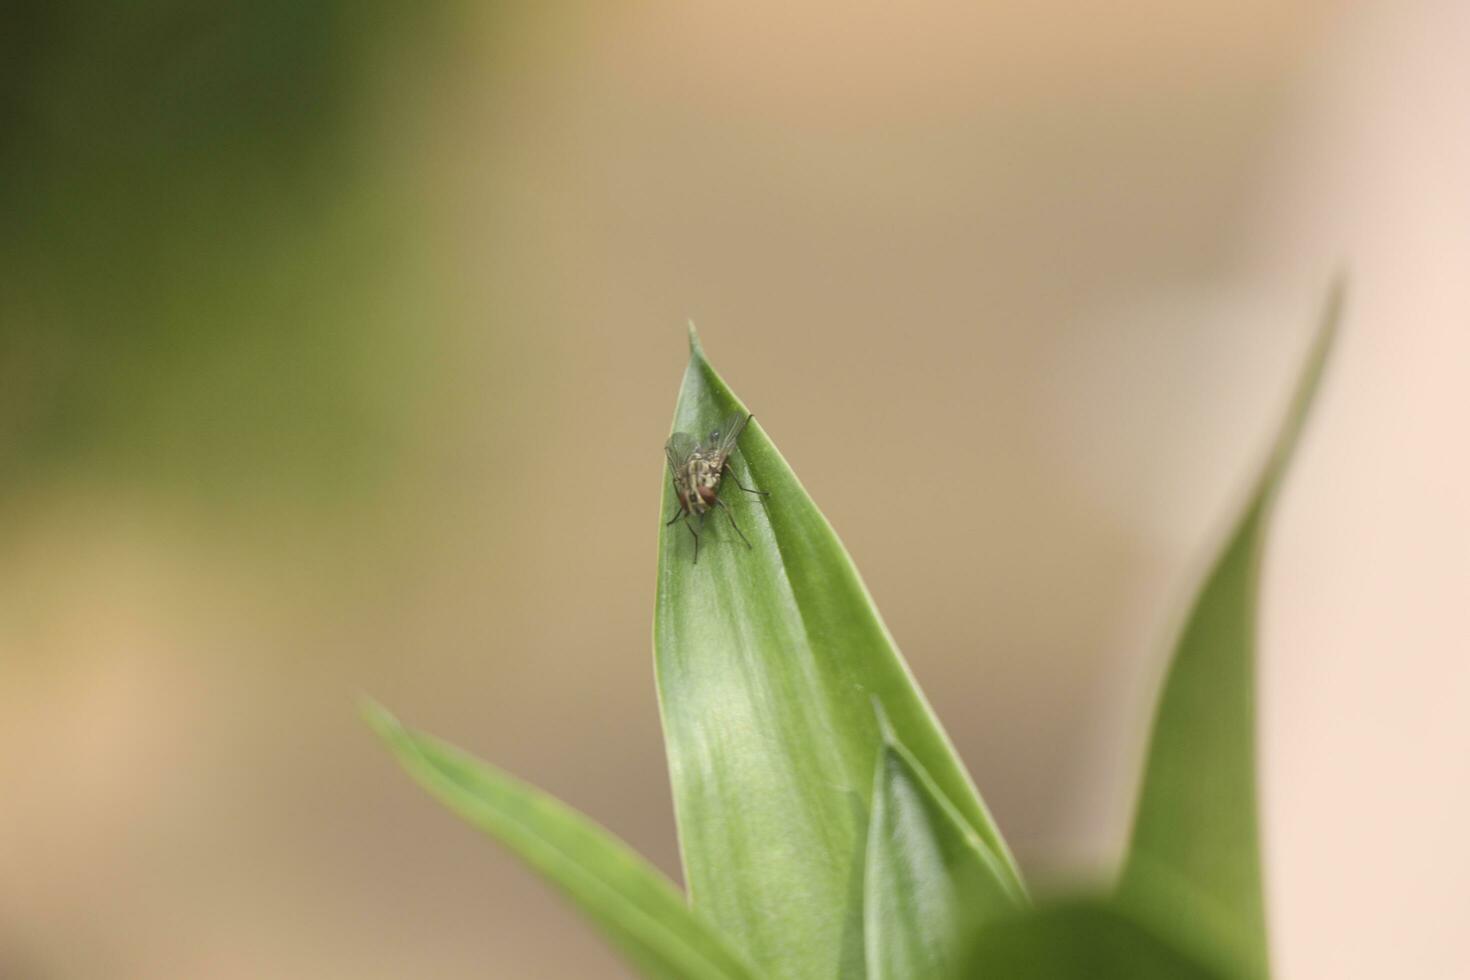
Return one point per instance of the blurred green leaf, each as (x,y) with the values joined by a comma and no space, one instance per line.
(769,659)
(1080,940)
(1194,863)
(634,905)
(929,881)
(206,256)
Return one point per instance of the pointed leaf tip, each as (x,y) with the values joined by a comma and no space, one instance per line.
(1309,381)
(885,727)
(377,717)
(768,661)
(696,349)
(1194,867)
(634,905)
(929,882)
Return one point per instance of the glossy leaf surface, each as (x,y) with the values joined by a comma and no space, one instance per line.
(930,882)
(769,659)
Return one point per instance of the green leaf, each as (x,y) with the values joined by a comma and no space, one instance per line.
(1080,940)
(768,661)
(930,881)
(635,906)
(1194,862)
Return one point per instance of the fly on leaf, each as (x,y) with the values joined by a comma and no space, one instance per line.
(698,468)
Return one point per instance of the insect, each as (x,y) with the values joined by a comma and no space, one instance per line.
(698,468)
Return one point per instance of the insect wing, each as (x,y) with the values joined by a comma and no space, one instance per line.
(678,449)
(728,434)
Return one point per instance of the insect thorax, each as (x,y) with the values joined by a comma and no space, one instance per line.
(704,480)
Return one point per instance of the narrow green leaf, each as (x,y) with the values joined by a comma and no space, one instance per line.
(1080,940)
(635,906)
(1194,862)
(768,660)
(930,882)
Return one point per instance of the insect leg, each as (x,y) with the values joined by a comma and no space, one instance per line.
(677,514)
(762,493)
(696,537)
(725,507)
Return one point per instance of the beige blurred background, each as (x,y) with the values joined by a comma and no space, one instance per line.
(306,319)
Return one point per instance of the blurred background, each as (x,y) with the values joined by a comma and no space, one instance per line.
(305,308)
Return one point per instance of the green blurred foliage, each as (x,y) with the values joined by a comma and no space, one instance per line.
(1194,863)
(191,260)
(1081,939)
